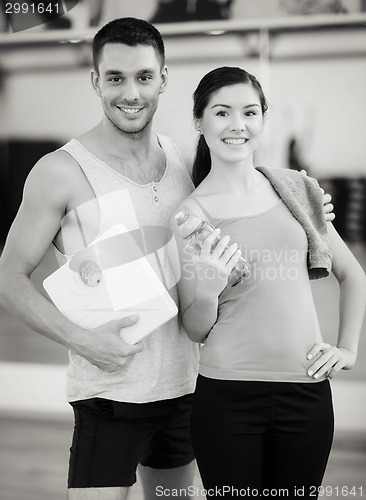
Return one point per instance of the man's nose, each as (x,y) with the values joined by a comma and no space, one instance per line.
(131,92)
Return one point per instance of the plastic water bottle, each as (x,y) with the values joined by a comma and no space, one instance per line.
(195,230)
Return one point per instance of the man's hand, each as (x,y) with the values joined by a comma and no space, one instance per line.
(327,205)
(104,348)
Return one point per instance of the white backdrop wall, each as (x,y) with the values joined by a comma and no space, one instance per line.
(320,101)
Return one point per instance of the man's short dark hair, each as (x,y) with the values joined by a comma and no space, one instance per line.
(129,31)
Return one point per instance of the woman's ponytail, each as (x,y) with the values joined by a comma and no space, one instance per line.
(202,162)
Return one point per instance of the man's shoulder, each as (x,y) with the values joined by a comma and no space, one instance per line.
(186,152)
(56,163)
(54,175)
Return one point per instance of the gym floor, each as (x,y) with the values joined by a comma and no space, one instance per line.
(34,448)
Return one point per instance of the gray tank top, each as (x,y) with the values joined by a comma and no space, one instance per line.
(167,366)
(267,323)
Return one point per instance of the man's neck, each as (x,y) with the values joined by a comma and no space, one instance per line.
(108,137)
(137,156)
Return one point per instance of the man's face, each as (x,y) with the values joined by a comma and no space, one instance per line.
(129,82)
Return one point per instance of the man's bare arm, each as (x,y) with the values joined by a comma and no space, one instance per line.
(46,196)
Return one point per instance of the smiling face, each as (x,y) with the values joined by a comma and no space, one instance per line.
(129,81)
(232,123)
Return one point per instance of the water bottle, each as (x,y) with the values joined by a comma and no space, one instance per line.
(195,230)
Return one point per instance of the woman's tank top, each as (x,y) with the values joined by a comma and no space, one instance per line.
(267,323)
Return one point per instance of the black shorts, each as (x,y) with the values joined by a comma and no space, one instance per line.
(111,438)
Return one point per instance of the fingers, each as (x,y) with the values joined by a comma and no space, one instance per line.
(328,208)
(129,349)
(224,254)
(333,371)
(329,217)
(328,361)
(317,348)
(116,326)
(119,324)
(126,321)
(236,254)
(326,197)
(221,250)
(211,243)
(231,255)
(218,248)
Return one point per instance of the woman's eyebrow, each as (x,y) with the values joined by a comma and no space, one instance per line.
(220,105)
(227,106)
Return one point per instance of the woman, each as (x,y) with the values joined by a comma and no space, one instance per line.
(262,417)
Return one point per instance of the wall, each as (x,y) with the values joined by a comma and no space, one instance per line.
(320,99)
(316,92)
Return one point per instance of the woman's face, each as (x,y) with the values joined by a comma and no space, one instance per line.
(232,123)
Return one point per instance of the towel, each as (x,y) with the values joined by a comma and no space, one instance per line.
(304,198)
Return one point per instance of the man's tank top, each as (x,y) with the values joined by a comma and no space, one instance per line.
(267,323)
(167,366)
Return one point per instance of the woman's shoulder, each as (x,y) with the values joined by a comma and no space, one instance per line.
(288,176)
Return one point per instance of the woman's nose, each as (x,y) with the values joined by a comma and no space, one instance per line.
(238,123)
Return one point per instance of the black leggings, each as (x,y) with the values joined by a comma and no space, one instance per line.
(262,436)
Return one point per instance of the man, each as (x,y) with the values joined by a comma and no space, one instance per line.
(131,403)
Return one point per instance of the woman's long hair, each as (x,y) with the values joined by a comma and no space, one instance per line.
(210,83)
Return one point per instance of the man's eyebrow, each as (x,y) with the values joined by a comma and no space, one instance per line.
(147,70)
(113,72)
(228,107)
(110,72)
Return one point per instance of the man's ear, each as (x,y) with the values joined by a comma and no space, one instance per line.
(164,80)
(95,80)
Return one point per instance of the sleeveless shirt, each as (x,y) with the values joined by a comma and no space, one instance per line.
(167,366)
(267,323)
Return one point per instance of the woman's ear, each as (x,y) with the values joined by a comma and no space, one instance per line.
(197,125)
(95,82)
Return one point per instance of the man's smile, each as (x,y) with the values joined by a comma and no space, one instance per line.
(130,110)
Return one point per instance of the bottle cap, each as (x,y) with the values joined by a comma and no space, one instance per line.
(180,217)
(187,222)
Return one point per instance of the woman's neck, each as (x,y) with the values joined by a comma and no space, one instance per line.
(240,177)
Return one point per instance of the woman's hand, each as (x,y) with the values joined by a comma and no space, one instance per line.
(329,360)
(214,263)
